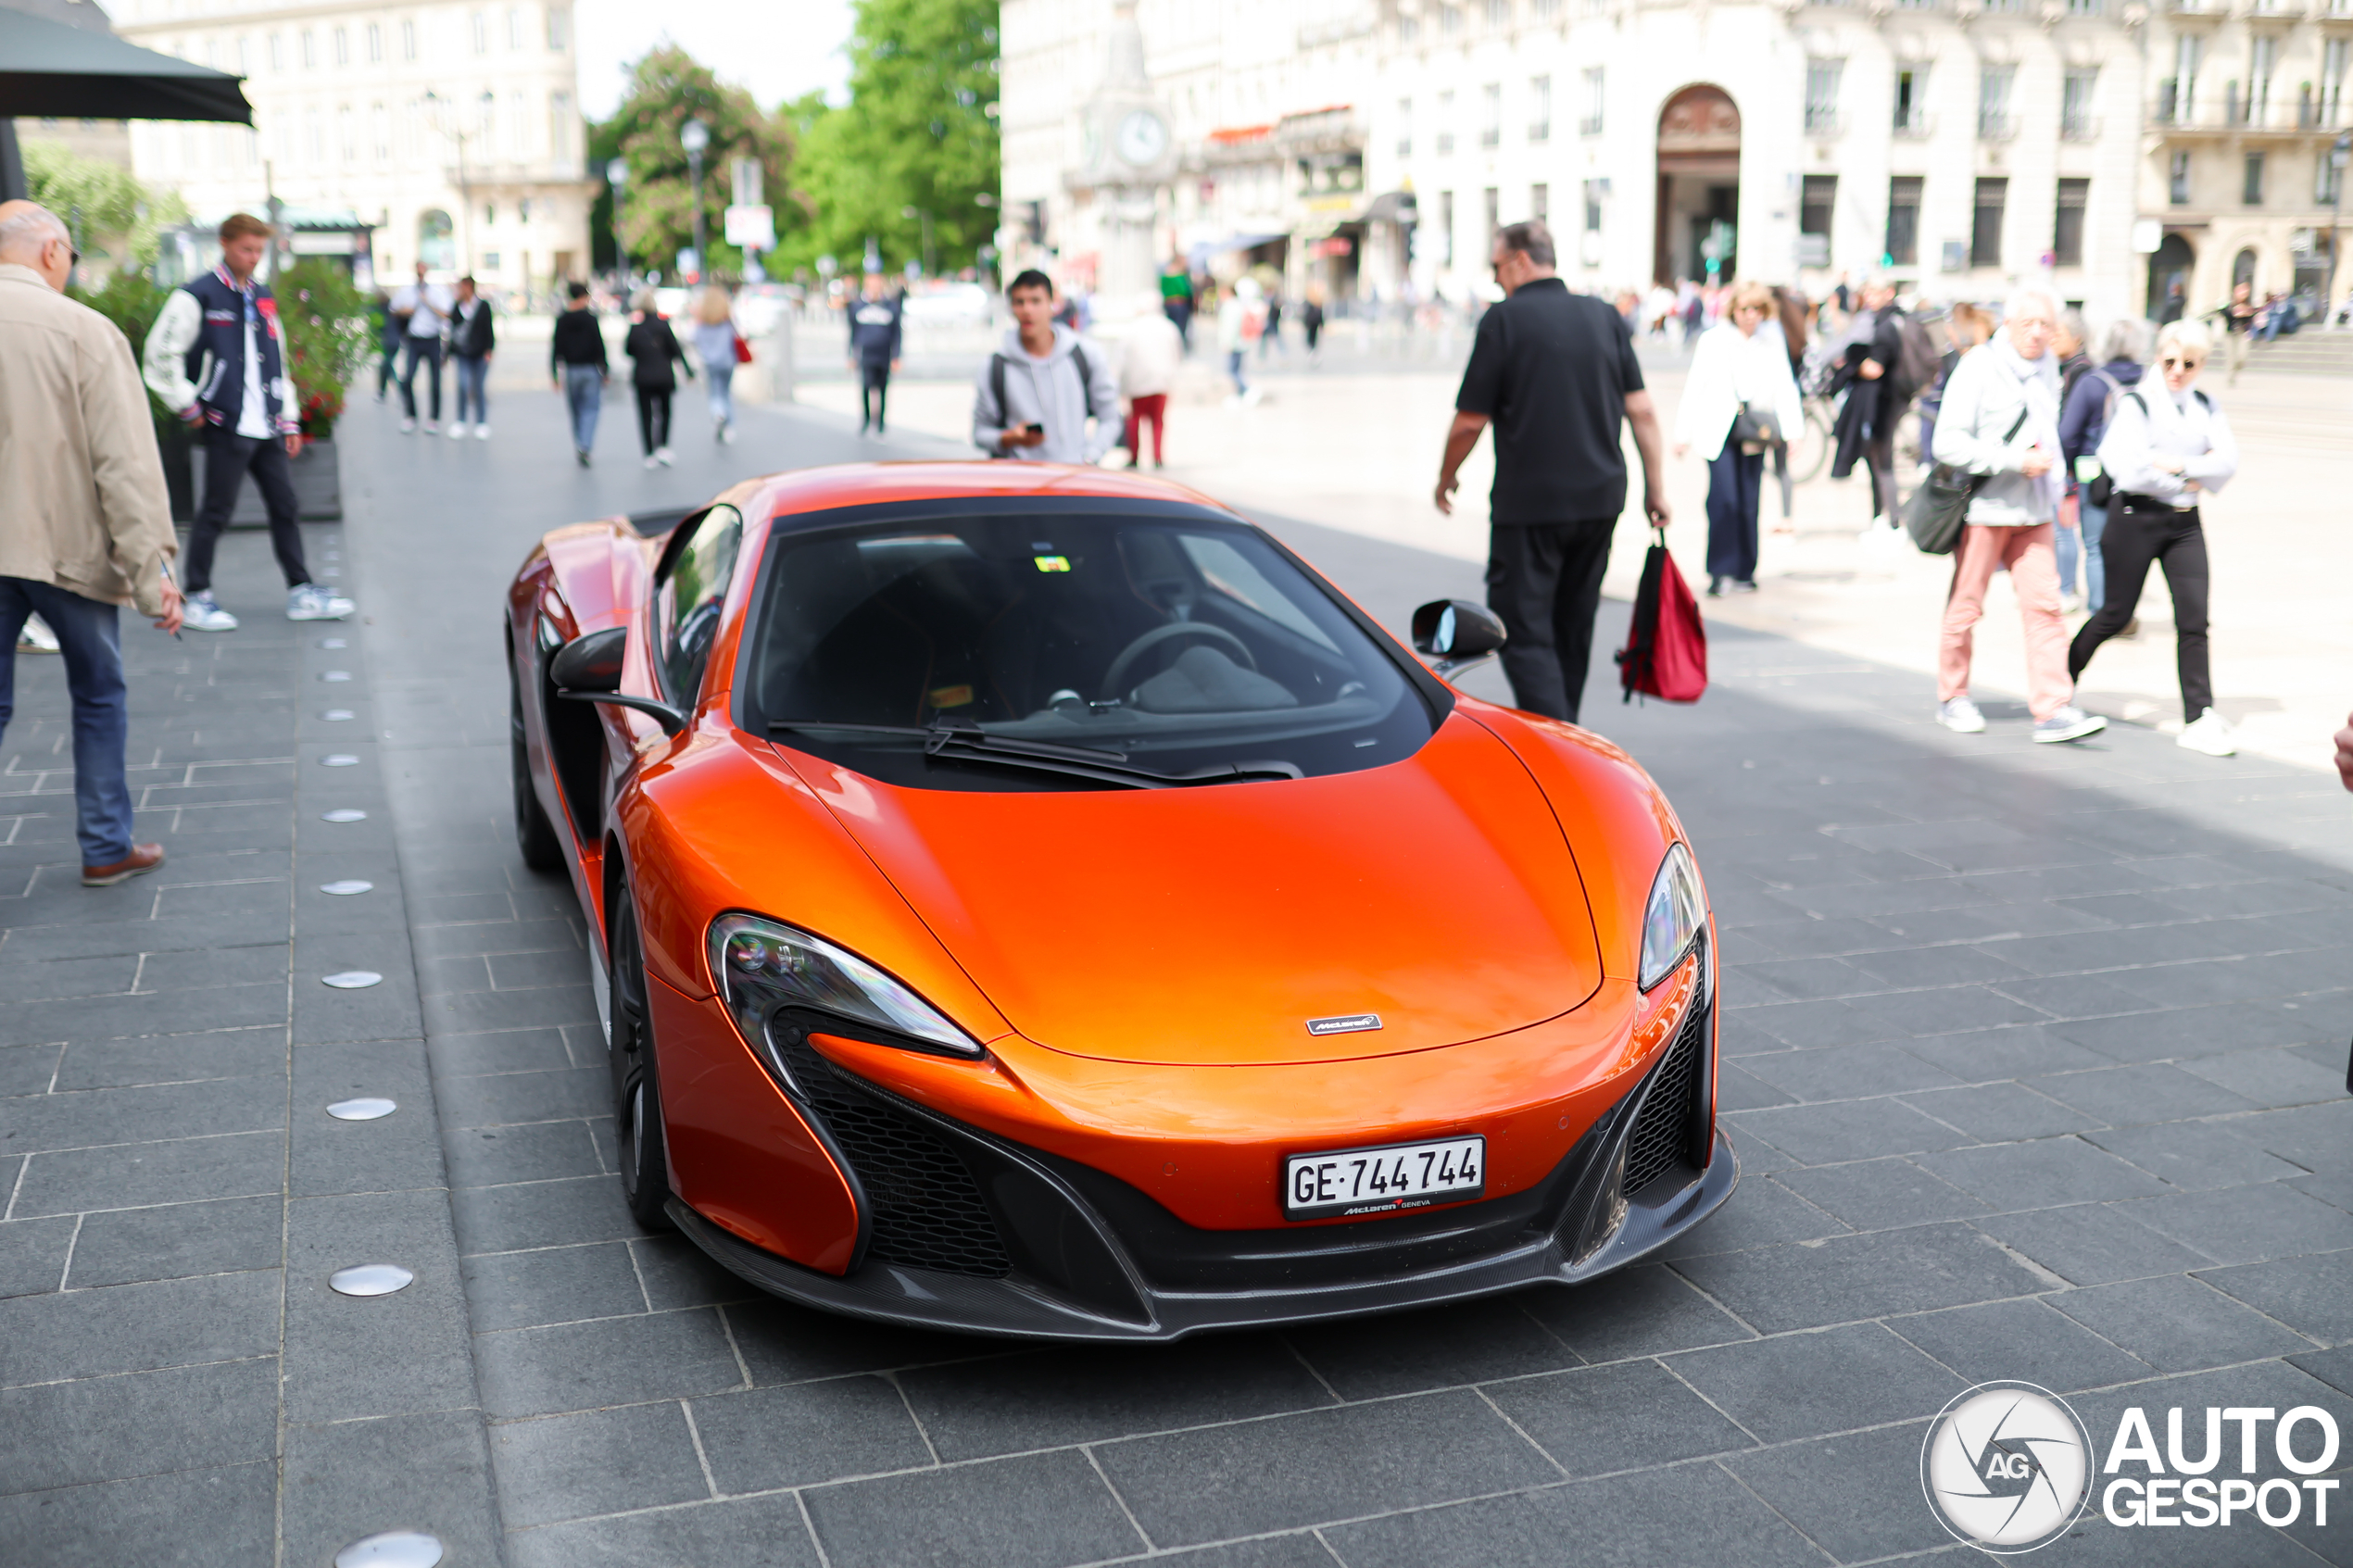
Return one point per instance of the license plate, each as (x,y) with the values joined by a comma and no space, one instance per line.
(1380,1181)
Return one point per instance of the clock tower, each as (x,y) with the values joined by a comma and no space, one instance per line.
(1128,152)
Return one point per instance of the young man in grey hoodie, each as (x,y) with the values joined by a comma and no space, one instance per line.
(1046,396)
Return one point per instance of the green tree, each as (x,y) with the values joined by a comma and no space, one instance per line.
(114,218)
(667,88)
(920,132)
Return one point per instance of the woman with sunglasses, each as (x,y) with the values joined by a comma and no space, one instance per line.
(2167,446)
(1738,399)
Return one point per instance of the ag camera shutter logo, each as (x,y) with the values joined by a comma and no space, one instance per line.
(2007,1467)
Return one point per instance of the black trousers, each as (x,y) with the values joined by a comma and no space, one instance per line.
(1735,486)
(653,417)
(422,351)
(874,391)
(227,459)
(1544,583)
(1878,456)
(2140,534)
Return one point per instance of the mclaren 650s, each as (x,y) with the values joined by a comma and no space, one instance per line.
(1033,901)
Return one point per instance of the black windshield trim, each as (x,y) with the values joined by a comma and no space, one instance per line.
(1437,697)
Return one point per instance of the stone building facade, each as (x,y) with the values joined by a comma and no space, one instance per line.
(454,129)
(1968,147)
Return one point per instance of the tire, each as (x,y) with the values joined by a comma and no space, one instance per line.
(535,834)
(644,1151)
(1811,456)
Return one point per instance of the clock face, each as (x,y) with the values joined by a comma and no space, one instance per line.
(1143,138)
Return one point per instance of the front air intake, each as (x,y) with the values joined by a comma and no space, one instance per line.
(1661,1143)
(924,1208)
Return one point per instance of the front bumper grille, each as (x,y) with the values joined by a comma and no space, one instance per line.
(924,1209)
(1663,1138)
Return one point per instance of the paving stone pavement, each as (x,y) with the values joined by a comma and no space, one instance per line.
(2034,1061)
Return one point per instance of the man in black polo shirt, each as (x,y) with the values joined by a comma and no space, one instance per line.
(1556,373)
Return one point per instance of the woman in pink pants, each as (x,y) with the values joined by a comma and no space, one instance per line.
(2000,421)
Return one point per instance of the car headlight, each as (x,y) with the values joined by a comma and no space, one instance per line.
(762,966)
(1672,918)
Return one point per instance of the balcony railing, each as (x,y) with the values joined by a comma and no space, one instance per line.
(1824,120)
(2079,128)
(1915,125)
(1590,126)
(1540,129)
(1995,126)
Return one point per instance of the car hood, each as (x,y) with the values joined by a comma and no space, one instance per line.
(1210,926)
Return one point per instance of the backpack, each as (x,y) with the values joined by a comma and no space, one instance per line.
(997,363)
(1665,652)
(1917,360)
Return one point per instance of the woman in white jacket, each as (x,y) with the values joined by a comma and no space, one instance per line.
(2000,422)
(1735,370)
(2166,449)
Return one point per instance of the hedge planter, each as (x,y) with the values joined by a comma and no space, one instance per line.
(318,486)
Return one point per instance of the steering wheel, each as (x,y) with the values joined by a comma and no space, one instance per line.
(1117,674)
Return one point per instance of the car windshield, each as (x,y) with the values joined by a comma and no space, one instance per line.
(1160,649)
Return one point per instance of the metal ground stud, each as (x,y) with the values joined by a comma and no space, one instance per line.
(370,1279)
(365,1109)
(394,1549)
(352,979)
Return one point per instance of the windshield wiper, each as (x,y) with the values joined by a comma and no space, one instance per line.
(969,743)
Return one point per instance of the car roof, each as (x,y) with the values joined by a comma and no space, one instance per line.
(861,484)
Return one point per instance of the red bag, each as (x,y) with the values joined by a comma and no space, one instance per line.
(1666,653)
(743,350)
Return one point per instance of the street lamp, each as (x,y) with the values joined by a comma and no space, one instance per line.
(695,136)
(448,118)
(617,179)
(919,212)
(2339,156)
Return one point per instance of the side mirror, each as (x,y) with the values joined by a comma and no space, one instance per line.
(1455,632)
(591,663)
(587,669)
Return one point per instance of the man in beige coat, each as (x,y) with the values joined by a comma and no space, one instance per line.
(85,522)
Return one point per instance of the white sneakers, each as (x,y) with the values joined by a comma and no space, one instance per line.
(1961,717)
(2210,733)
(456,430)
(482,432)
(198,613)
(408,425)
(313,602)
(652,461)
(664,455)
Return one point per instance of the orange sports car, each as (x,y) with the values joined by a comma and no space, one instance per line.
(1031,900)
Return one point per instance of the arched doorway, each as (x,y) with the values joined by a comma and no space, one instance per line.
(2243,269)
(2169,267)
(437,246)
(1699,185)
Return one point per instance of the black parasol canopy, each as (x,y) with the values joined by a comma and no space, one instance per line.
(50,68)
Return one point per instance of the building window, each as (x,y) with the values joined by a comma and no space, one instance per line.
(2067,232)
(2264,59)
(1540,202)
(1445,124)
(1491,114)
(309,50)
(2333,57)
(408,38)
(277,53)
(1490,206)
(1446,228)
(1592,206)
(2251,180)
(346,135)
(1911,101)
(1409,29)
(2075,104)
(314,139)
(1499,13)
(380,131)
(518,128)
(2328,181)
(481,23)
(514,26)
(1904,221)
(1590,123)
(375,43)
(1548,10)
(2177,178)
(1405,128)
(1450,20)
(558,28)
(1993,123)
(1985,223)
(1539,108)
(245,57)
(1817,198)
(343,46)
(559,118)
(2084,8)
(2189,51)
(1821,95)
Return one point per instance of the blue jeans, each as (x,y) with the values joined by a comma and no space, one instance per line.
(719,385)
(584,393)
(2094,571)
(2067,543)
(1234,369)
(91,639)
(473,372)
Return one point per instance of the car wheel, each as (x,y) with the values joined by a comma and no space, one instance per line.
(645,1161)
(535,834)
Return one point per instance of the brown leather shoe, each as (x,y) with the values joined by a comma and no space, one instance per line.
(143,857)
